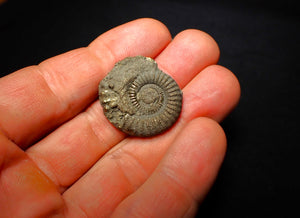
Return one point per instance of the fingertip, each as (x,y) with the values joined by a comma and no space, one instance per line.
(212,134)
(213,93)
(200,135)
(202,43)
(230,90)
(144,36)
(152,23)
(190,52)
(195,158)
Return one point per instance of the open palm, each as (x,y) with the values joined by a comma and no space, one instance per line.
(59,155)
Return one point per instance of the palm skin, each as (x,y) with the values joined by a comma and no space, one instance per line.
(60,157)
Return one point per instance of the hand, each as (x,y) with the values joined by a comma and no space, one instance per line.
(59,155)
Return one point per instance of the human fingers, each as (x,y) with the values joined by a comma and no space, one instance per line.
(71,150)
(183,177)
(124,168)
(36,99)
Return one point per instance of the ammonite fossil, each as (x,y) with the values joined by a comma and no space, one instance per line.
(140,99)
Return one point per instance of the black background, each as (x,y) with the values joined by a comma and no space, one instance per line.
(259,42)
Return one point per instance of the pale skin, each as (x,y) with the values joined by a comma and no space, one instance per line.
(60,157)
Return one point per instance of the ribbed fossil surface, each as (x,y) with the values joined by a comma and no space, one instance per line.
(140,99)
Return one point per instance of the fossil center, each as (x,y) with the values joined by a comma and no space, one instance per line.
(149,94)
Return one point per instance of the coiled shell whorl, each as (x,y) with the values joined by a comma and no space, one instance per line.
(140,99)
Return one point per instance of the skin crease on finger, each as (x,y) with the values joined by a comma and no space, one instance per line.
(224,90)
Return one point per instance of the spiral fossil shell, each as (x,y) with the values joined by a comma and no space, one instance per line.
(140,99)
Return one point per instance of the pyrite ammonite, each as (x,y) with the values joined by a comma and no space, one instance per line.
(140,99)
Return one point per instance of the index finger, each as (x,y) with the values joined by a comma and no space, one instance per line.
(36,99)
